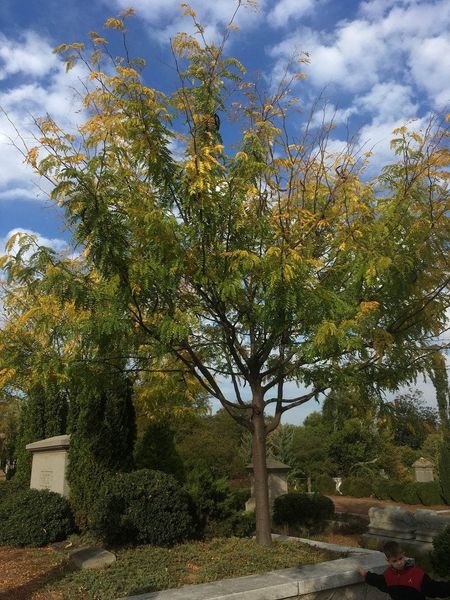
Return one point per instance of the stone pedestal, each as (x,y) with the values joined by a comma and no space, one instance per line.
(49,464)
(277,481)
(423,469)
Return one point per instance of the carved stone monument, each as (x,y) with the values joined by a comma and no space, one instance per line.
(277,480)
(429,524)
(423,469)
(49,464)
(391,522)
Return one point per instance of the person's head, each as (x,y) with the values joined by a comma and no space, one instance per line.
(394,555)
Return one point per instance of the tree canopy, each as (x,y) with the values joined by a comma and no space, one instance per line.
(262,261)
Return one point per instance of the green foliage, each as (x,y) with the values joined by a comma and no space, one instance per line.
(150,568)
(11,488)
(142,507)
(410,494)
(34,518)
(156,450)
(218,507)
(302,510)
(330,275)
(429,493)
(102,438)
(356,487)
(324,484)
(440,555)
(212,443)
(380,489)
(395,490)
(412,420)
(355,444)
(444,467)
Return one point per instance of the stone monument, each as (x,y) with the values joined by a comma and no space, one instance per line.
(277,481)
(49,464)
(391,522)
(429,524)
(423,469)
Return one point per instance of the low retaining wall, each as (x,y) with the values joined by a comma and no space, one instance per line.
(331,580)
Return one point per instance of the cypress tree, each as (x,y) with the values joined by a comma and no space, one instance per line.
(102,437)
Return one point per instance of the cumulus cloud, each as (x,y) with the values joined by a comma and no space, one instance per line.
(406,41)
(34,84)
(286,11)
(56,244)
(165,18)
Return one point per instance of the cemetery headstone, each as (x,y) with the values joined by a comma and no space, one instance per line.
(423,469)
(49,464)
(277,482)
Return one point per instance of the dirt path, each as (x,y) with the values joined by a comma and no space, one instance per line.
(25,571)
(360,506)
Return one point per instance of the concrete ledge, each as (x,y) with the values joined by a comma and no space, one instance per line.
(310,580)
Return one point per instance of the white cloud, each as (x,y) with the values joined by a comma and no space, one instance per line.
(287,11)
(29,55)
(32,96)
(56,244)
(405,41)
(165,18)
(430,68)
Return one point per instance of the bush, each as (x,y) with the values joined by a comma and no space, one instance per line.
(429,493)
(444,468)
(395,491)
(240,524)
(356,487)
(9,488)
(324,484)
(302,510)
(409,494)
(34,518)
(381,489)
(440,555)
(143,507)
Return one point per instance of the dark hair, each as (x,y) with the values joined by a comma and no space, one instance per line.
(392,549)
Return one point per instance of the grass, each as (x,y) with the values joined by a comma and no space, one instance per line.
(149,569)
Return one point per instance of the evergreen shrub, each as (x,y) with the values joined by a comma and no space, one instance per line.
(395,490)
(143,507)
(381,489)
(444,468)
(429,493)
(10,488)
(324,484)
(440,555)
(302,510)
(356,487)
(34,518)
(410,494)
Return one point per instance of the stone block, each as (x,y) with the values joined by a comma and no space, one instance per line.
(429,524)
(392,522)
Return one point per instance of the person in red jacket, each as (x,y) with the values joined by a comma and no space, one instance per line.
(402,580)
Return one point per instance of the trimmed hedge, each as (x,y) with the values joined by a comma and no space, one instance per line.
(356,487)
(34,518)
(410,494)
(143,507)
(302,510)
(429,493)
(440,555)
(325,484)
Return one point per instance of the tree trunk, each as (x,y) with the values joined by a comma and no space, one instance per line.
(261,490)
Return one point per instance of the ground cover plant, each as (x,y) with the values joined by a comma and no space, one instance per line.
(148,568)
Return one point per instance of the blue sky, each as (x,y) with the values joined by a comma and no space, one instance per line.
(376,64)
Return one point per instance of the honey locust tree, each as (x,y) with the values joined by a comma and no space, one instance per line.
(259,263)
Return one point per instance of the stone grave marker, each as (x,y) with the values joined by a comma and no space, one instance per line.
(49,464)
